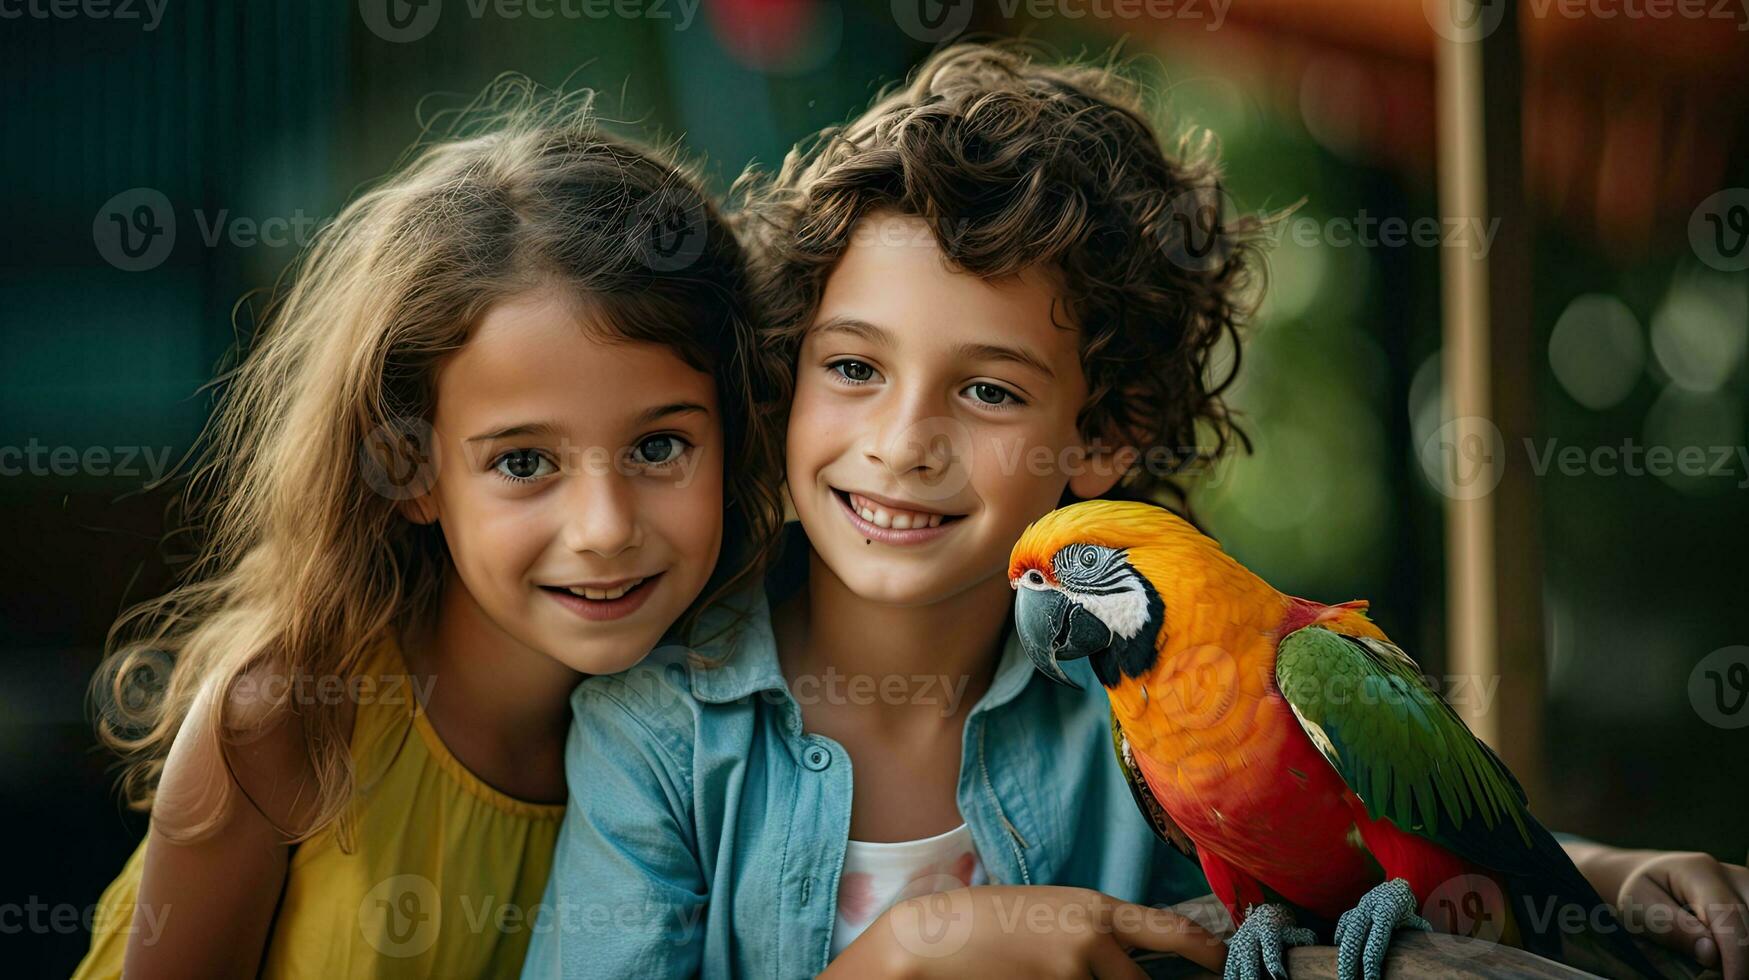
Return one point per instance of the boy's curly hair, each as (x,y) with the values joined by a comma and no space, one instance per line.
(1013,162)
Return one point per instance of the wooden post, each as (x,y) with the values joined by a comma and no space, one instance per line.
(1494,623)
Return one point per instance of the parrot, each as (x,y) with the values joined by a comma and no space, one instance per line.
(1287,746)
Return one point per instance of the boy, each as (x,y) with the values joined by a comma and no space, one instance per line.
(984,301)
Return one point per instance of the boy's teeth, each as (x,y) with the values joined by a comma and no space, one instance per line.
(898,520)
(604,594)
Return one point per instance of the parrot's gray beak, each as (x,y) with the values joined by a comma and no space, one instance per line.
(1054,629)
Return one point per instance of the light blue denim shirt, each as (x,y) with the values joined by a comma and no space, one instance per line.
(706,830)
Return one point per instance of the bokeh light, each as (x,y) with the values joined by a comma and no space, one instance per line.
(1699,331)
(1596,350)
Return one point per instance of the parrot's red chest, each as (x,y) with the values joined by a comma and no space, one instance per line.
(1268,805)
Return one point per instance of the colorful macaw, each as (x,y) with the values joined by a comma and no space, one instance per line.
(1297,754)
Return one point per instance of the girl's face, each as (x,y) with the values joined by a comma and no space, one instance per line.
(934,418)
(579,482)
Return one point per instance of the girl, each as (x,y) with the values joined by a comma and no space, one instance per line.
(477,453)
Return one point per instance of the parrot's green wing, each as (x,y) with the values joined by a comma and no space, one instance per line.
(1410,758)
(1394,741)
(1145,801)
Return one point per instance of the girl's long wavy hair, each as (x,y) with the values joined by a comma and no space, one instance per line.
(304,559)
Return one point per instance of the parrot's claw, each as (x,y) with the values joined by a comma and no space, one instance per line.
(1255,947)
(1363,933)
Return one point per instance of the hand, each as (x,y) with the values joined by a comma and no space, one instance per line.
(1711,902)
(1020,932)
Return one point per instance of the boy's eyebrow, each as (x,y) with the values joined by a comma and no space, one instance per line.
(856,328)
(996,352)
(646,417)
(975,352)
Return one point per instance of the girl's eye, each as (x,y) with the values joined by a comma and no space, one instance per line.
(660,450)
(522,465)
(856,371)
(989,394)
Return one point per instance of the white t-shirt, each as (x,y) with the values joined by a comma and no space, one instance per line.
(878,876)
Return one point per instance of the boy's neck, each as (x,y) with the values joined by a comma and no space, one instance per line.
(959,638)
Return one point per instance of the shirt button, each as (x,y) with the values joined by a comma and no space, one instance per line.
(816,758)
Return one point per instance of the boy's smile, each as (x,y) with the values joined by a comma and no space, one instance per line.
(894,521)
(921,392)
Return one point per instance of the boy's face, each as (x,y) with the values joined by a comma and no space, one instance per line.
(578,482)
(934,417)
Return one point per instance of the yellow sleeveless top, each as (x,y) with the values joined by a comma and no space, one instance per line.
(444,876)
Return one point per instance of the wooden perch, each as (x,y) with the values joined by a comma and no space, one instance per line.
(1413,954)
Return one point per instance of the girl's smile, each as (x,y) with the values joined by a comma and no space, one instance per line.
(602,604)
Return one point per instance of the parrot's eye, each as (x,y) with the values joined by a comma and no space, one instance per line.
(1087,557)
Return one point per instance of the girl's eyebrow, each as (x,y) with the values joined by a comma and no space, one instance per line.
(646,417)
(658,412)
(521,429)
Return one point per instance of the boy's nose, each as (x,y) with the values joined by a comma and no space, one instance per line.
(916,439)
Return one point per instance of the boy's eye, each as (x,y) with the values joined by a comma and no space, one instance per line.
(854,370)
(522,465)
(658,450)
(990,394)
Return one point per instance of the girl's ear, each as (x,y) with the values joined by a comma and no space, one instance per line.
(1102,466)
(420,510)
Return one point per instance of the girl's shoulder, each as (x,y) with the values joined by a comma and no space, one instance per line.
(256,751)
(248,747)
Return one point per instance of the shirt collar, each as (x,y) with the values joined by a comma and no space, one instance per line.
(739,656)
(1014,671)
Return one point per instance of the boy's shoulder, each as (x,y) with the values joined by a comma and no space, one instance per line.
(656,693)
(683,693)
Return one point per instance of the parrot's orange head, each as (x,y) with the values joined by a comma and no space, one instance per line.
(1099,580)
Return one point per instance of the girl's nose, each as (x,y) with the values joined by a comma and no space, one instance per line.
(601,515)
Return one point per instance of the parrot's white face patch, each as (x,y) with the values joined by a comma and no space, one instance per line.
(1124,612)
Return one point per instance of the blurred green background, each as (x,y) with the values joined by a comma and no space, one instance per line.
(254,120)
